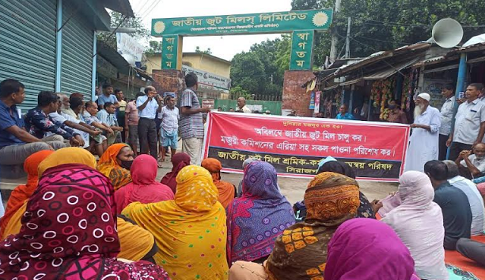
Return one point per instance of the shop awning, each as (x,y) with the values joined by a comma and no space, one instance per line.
(391,70)
(351,82)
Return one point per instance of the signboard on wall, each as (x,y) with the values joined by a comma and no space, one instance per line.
(208,80)
(280,22)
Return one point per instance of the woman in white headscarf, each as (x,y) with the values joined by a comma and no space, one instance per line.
(419,223)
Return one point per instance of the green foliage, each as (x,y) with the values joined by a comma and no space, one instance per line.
(117,19)
(238,91)
(260,71)
(154,47)
(384,24)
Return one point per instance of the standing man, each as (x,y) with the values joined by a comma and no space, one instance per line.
(396,115)
(107,96)
(469,123)
(191,123)
(120,111)
(423,145)
(148,106)
(344,113)
(446,118)
(169,127)
(241,105)
(131,124)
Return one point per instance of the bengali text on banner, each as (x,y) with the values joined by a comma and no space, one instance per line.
(294,146)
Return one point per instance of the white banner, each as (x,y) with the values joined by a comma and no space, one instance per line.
(129,48)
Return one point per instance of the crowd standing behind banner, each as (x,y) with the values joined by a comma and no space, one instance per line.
(191,225)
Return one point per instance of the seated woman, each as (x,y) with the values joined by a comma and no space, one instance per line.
(115,164)
(143,188)
(76,238)
(418,221)
(23,192)
(179,161)
(258,217)
(190,230)
(136,243)
(226,190)
(301,252)
(366,209)
(367,249)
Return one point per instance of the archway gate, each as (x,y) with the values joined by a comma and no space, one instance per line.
(302,25)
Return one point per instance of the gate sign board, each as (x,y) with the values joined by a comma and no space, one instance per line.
(296,22)
(295,146)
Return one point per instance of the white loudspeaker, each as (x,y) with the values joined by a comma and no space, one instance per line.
(447,33)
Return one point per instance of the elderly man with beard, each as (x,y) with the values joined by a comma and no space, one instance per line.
(469,123)
(423,146)
(472,163)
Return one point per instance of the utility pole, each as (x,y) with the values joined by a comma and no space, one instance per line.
(347,39)
(333,48)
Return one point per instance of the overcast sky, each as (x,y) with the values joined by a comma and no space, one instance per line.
(225,47)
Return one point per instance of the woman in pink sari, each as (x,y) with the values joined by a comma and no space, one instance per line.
(367,249)
(143,187)
(179,161)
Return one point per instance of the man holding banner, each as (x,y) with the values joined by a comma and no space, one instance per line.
(423,146)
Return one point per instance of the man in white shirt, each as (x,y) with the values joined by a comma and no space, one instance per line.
(474,197)
(148,107)
(169,127)
(423,146)
(469,123)
(446,118)
(472,165)
(108,118)
(241,105)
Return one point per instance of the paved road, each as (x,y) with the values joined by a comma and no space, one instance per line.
(293,189)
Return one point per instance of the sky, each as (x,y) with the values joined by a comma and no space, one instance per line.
(226,46)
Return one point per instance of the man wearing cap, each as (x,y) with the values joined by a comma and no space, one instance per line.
(423,144)
(469,123)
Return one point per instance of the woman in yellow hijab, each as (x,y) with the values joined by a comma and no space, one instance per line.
(115,164)
(190,231)
(136,243)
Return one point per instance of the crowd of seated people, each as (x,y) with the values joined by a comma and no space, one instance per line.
(77,217)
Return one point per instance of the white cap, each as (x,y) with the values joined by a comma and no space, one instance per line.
(425,96)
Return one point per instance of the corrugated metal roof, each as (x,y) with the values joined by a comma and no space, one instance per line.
(383,74)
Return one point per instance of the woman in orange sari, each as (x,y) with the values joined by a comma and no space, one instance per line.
(226,190)
(116,163)
(22,192)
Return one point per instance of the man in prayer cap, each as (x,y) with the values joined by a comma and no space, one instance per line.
(423,143)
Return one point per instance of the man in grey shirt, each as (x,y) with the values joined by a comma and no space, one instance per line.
(191,123)
(446,118)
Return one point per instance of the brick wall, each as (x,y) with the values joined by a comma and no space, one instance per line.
(294,96)
(168,81)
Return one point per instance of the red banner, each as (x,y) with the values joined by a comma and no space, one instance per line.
(376,151)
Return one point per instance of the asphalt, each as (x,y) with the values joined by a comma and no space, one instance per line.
(292,188)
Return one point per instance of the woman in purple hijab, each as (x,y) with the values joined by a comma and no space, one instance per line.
(367,249)
(258,217)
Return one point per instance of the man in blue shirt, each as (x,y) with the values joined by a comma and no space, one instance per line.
(108,118)
(344,114)
(16,144)
(107,96)
(457,214)
(148,106)
(40,124)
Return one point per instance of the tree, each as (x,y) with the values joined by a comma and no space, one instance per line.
(238,91)
(382,24)
(154,47)
(119,20)
(198,50)
(247,72)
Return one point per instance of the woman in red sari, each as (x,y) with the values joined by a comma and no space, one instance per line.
(143,187)
(179,161)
